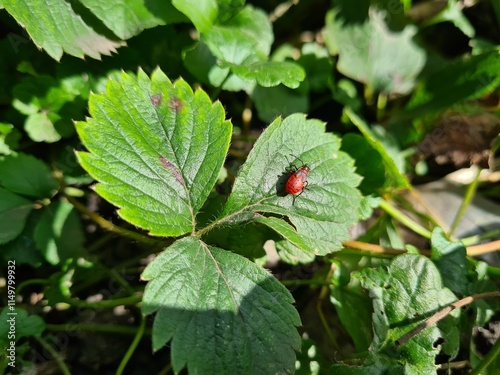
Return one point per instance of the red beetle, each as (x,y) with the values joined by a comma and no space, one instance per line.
(297,181)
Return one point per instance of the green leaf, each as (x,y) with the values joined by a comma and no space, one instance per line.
(9,137)
(127,18)
(25,325)
(272,102)
(410,288)
(156,148)
(23,249)
(354,311)
(456,82)
(389,163)
(54,26)
(247,240)
(291,254)
(244,39)
(370,53)
(59,235)
(14,211)
(453,13)
(368,162)
(223,313)
(451,260)
(202,13)
(26,175)
(322,214)
(40,128)
(271,73)
(318,66)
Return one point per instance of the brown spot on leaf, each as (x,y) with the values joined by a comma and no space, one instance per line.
(156,99)
(176,172)
(175,104)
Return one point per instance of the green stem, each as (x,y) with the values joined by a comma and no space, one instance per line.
(133,346)
(105,328)
(472,240)
(405,220)
(487,360)
(62,366)
(469,195)
(106,304)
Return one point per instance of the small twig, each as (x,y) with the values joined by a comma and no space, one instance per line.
(55,355)
(483,248)
(281,9)
(443,313)
(133,346)
(372,248)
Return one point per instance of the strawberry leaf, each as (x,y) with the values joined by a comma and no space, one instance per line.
(156,148)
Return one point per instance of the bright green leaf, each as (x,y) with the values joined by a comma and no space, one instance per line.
(223,313)
(24,174)
(325,210)
(127,18)
(59,235)
(54,26)
(14,211)
(370,53)
(202,13)
(271,73)
(156,148)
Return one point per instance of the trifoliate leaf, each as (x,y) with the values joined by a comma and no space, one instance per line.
(223,313)
(156,148)
(23,174)
(14,211)
(323,212)
(54,26)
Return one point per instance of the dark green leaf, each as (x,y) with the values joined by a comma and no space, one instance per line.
(390,164)
(14,211)
(59,234)
(26,175)
(156,148)
(272,102)
(451,260)
(223,313)
(25,325)
(368,162)
(456,82)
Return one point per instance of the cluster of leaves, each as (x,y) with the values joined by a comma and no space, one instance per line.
(157,150)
